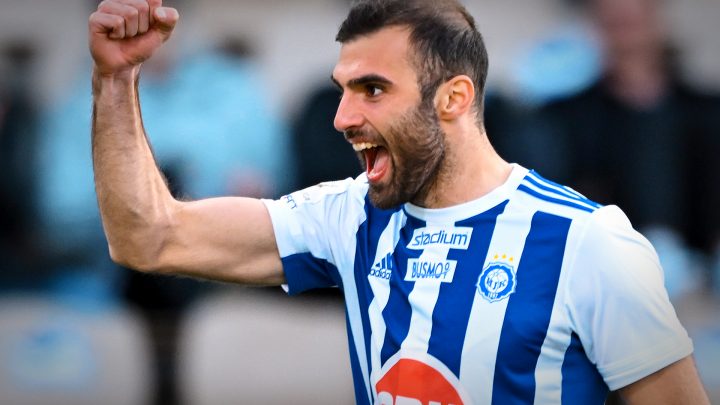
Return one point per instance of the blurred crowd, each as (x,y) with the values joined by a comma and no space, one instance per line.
(606,109)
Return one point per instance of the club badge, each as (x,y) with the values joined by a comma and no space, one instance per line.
(497,281)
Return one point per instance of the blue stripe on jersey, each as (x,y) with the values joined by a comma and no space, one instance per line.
(528,312)
(397,312)
(305,272)
(566,189)
(361,393)
(563,193)
(581,382)
(368,236)
(452,310)
(547,198)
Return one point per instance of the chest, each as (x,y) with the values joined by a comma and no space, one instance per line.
(464,284)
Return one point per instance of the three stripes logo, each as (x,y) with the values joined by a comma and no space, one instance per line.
(383,269)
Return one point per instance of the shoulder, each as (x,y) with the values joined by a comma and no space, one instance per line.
(609,235)
(536,193)
(601,241)
(614,261)
(326,194)
(313,219)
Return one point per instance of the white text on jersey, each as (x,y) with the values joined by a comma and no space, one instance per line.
(452,238)
(428,269)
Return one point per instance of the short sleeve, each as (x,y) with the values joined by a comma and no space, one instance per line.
(618,304)
(314,229)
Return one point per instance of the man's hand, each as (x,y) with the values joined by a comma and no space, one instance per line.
(125,33)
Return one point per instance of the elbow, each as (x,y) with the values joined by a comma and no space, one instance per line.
(141,251)
(132,259)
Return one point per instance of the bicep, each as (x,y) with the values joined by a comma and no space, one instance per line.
(227,239)
(677,383)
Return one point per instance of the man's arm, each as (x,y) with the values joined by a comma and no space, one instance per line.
(227,239)
(676,384)
(624,317)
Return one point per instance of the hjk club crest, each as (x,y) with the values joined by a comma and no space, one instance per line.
(497,281)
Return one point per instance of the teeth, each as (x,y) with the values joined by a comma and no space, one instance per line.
(359,147)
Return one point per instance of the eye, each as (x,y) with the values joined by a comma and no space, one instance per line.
(372,90)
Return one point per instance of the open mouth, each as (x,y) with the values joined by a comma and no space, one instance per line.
(377,160)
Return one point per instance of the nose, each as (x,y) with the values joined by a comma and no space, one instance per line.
(347,116)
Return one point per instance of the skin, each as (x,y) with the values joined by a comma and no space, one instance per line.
(146,228)
(418,152)
(231,239)
(470,161)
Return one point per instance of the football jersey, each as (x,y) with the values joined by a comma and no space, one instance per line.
(531,294)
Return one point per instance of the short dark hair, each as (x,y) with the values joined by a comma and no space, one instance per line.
(443,36)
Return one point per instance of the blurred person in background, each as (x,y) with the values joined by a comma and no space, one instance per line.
(642,138)
(20,263)
(320,153)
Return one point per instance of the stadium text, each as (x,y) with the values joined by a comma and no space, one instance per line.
(453,238)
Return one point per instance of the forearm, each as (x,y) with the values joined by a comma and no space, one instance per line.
(227,239)
(135,203)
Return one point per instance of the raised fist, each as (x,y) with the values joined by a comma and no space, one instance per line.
(125,33)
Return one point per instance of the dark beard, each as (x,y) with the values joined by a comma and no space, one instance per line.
(417,146)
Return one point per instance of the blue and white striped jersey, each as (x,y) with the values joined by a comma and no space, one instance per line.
(531,294)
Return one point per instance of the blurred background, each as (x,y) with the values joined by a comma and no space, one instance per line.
(619,99)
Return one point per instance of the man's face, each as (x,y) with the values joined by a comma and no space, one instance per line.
(396,134)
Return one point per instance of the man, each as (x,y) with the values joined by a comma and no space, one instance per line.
(466,279)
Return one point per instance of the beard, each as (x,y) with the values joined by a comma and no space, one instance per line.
(416,145)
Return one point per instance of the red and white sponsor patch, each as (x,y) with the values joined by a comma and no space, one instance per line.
(418,380)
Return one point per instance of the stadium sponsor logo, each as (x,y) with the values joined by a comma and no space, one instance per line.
(421,379)
(452,238)
(428,269)
(497,281)
(383,268)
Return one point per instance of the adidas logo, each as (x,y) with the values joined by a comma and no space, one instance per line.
(383,268)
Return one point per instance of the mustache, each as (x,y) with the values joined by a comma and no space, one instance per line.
(360,132)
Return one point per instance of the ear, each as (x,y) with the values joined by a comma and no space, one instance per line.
(455,97)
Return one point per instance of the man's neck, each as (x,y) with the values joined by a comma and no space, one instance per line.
(470,170)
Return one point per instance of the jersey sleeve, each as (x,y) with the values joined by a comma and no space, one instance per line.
(314,231)
(618,303)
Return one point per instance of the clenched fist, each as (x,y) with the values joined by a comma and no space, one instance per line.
(125,33)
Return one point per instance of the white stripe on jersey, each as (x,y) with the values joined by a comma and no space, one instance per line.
(486,318)
(352,303)
(423,298)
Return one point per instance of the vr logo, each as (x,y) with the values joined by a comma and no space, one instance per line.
(411,381)
(385,398)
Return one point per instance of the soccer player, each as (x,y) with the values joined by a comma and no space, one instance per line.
(467,280)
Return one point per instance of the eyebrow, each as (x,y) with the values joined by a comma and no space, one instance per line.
(363,80)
